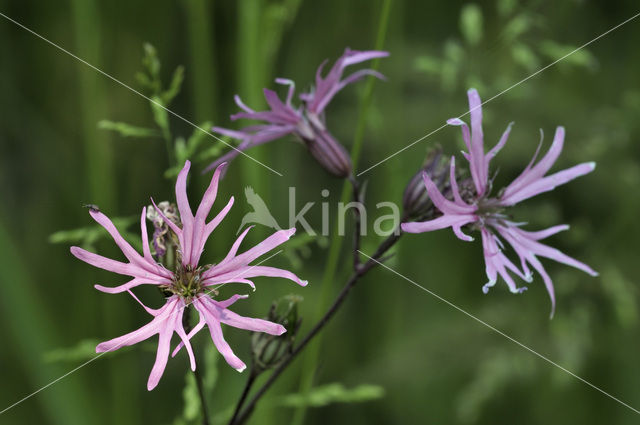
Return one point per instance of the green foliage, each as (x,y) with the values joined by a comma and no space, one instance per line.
(151,80)
(524,56)
(569,54)
(210,376)
(299,248)
(471,23)
(332,393)
(192,405)
(458,64)
(192,149)
(83,350)
(86,350)
(127,130)
(87,236)
(179,150)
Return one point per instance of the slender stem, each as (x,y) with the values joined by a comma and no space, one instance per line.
(186,324)
(357,274)
(252,379)
(310,360)
(203,399)
(357,198)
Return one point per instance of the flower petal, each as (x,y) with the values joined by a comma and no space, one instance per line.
(548,183)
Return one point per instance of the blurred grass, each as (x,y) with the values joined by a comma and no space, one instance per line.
(431,361)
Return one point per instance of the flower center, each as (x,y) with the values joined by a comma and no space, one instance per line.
(187,282)
(489,211)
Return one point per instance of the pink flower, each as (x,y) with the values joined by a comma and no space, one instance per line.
(190,283)
(485,212)
(306,122)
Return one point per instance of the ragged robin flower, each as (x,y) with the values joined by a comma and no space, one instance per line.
(307,121)
(486,213)
(191,283)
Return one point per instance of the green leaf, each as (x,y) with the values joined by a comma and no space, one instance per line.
(557,51)
(471,23)
(505,7)
(191,397)
(182,153)
(516,27)
(216,148)
(196,138)
(298,248)
(453,51)
(428,64)
(617,287)
(160,116)
(127,130)
(524,56)
(150,60)
(89,235)
(210,377)
(174,86)
(333,393)
(83,350)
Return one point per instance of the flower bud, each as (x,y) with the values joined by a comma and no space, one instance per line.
(270,350)
(325,148)
(415,200)
(162,237)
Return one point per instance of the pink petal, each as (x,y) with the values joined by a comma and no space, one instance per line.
(241,104)
(447,220)
(145,332)
(201,231)
(548,183)
(273,241)
(466,134)
(121,288)
(211,226)
(533,173)
(186,216)
(243,273)
(127,269)
(292,88)
(231,300)
(543,234)
(222,346)
(479,170)
(442,203)
(503,140)
(454,183)
(497,263)
(145,237)
(183,336)
(162,356)
(190,335)
(236,245)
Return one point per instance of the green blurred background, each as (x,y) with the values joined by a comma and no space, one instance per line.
(427,362)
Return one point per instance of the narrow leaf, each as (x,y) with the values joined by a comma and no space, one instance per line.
(127,130)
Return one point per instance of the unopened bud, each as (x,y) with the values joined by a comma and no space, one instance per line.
(162,237)
(325,148)
(271,350)
(415,200)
